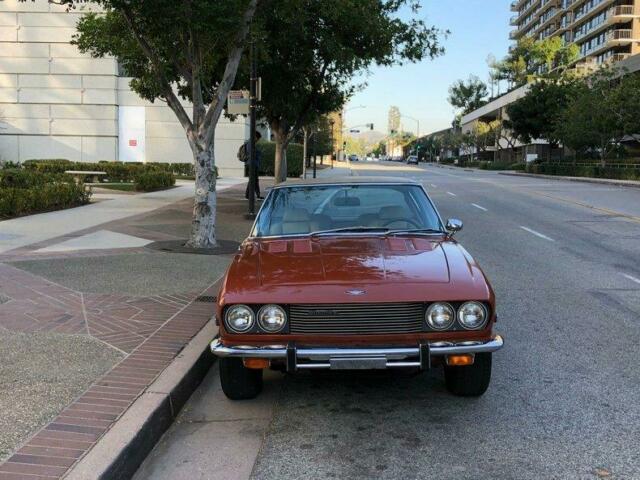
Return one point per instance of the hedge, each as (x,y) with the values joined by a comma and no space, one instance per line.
(592,171)
(18,178)
(150,181)
(16,201)
(116,171)
(294,158)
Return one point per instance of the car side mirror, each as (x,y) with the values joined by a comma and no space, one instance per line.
(454,225)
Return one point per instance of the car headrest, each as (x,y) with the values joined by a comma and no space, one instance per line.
(341,201)
(392,211)
(295,215)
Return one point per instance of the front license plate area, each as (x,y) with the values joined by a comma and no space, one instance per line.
(379,363)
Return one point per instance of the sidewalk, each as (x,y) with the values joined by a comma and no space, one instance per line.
(31,229)
(340,169)
(85,333)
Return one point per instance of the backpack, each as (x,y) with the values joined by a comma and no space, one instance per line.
(243,152)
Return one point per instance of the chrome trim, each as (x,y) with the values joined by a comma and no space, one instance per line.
(395,356)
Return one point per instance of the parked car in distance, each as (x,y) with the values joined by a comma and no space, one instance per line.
(353,158)
(412,159)
(359,273)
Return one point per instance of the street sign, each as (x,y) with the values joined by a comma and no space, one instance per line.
(238,102)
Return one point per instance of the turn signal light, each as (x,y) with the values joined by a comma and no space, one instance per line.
(459,360)
(256,363)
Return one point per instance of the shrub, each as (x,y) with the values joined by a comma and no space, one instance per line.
(517,166)
(591,171)
(150,180)
(18,178)
(294,158)
(15,201)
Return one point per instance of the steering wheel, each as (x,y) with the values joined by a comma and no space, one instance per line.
(406,220)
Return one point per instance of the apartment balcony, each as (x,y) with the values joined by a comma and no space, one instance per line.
(620,37)
(514,34)
(618,57)
(513,21)
(514,6)
(622,13)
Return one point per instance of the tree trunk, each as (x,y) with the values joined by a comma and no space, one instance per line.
(203,225)
(280,166)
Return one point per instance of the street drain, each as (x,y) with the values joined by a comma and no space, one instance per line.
(206,299)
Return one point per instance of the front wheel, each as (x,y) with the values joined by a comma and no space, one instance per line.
(239,382)
(472,380)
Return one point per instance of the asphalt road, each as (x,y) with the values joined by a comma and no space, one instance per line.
(564,402)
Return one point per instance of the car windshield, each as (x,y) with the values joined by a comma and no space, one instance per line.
(343,209)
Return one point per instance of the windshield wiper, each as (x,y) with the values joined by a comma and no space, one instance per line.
(418,231)
(350,230)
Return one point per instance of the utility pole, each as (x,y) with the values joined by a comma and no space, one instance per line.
(314,151)
(253,168)
(331,123)
(305,143)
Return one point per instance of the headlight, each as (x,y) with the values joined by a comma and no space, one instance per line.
(239,318)
(440,316)
(272,318)
(472,316)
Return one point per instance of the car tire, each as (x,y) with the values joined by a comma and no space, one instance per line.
(472,380)
(239,382)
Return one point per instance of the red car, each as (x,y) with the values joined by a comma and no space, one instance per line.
(357,273)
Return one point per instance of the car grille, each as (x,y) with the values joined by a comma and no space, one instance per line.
(356,318)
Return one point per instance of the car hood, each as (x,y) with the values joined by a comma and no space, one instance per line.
(352,261)
(389,269)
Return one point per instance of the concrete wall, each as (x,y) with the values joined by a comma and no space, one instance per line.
(58,103)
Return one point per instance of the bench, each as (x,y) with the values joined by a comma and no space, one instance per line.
(79,175)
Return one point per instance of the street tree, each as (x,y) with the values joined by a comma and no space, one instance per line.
(602,110)
(309,50)
(536,115)
(177,52)
(467,96)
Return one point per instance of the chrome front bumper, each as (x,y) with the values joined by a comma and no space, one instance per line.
(297,358)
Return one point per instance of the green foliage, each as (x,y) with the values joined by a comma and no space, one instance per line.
(19,178)
(116,171)
(308,49)
(294,159)
(469,95)
(549,58)
(183,39)
(536,115)
(151,180)
(592,171)
(602,110)
(24,192)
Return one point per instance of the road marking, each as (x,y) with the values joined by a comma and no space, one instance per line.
(537,234)
(630,277)
(479,207)
(452,194)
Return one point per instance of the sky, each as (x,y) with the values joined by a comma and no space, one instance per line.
(478,28)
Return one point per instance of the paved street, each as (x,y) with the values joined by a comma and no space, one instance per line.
(564,401)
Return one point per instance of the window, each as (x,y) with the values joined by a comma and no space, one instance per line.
(305,209)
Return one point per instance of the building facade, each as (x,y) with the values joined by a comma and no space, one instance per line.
(603,30)
(56,102)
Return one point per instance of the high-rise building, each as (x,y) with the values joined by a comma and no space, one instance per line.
(604,30)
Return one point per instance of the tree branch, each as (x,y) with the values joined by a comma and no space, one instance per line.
(172,100)
(207,128)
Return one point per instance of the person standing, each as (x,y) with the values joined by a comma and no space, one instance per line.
(253,163)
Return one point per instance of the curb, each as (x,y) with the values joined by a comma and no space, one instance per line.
(600,181)
(121,451)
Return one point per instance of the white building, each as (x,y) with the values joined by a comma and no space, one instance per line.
(58,103)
